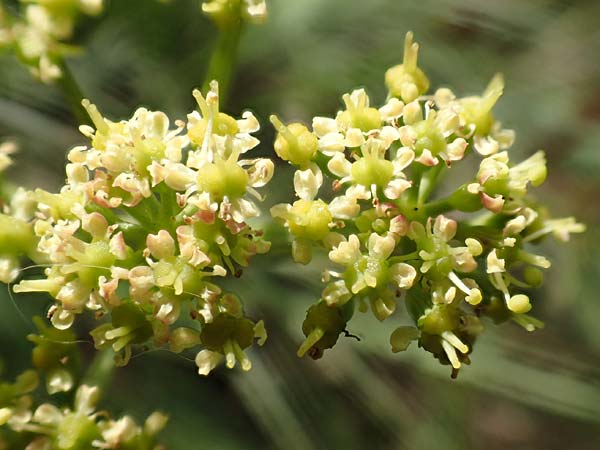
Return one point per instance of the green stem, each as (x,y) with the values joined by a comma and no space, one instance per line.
(4,197)
(72,92)
(402,258)
(101,370)
(407,203)
(106,212)
(428,182)
(223,58)
(437,207)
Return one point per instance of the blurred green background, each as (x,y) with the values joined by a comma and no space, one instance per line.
(523,390)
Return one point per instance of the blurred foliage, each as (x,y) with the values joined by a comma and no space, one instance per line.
(523,391)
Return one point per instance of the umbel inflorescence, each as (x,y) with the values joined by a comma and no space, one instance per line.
(152,217)
(449,260)
(149,220)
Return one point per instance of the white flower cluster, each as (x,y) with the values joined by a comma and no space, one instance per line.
(149,217)
(389,238)
(39,37)
(48,427)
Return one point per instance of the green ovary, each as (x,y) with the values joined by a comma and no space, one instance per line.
(439,319)
(225,327)
(429,137)
(297,145)
(96,261)
(76,432)
(366,119)
(224,125)
(369,266)
(147,151)
(368,171)
(223,179)
(474,113)
(310,219)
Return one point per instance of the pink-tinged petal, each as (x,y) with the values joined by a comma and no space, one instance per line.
(494,204)
(117,246)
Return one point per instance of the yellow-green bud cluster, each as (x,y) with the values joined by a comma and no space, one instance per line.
(390,233)
(27,422)
(149,219)
(76,427)
(39,34)
(55,356)
(17,239)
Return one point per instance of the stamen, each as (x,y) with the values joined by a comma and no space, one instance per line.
(95,115)
(537,234)
(451,354)
(229,354)
(241,356)
(117,332)
(122,342)
(459,283)
(204,109)
(532,259)
(451,338)
(350,106)
(411,52)
(314,336)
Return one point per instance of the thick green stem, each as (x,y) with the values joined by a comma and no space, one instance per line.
(428,183)
(437,207)
(73,94)
(223,58)
(101,370)
(402,258)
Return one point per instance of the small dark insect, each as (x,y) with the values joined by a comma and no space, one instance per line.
(348,334)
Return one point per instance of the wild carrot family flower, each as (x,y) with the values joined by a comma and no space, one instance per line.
(149,219)
(27,422)
(154,214)
(82,427)
(393,243)
(16,234)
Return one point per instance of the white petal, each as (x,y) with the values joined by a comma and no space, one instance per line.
(339,165)
(396,187)
(495,264)
(331,143)
(307,183)
(343,207)
(207,361)
(323,126)
(354,138)
(392,109)
(248,123)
